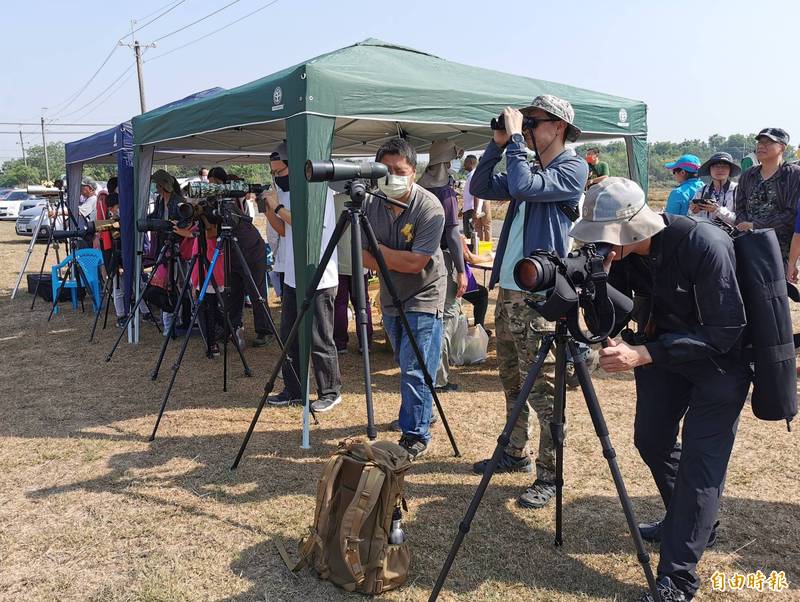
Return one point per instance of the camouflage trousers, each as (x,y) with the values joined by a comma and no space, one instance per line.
(519,331)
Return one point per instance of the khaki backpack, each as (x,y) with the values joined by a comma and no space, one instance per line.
(357,494)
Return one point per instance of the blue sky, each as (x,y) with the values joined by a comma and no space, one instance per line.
(702,67)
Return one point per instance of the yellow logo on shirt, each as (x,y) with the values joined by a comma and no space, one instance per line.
(408,232)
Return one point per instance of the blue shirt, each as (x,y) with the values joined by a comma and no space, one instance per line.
(513,251)
(541,192)
(682,195)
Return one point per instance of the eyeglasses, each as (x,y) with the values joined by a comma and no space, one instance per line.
(765,142)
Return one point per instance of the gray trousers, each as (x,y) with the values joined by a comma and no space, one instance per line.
(452,309)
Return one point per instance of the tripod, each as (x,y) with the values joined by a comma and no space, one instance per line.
(563,342)
(62,211)
(108,291)
(354,217)
(29,252)
(226,242)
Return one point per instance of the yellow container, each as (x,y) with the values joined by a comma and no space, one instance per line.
(484,247)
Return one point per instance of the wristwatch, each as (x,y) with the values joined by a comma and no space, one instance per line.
(518,138)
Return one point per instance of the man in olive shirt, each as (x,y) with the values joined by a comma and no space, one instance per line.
(409,242)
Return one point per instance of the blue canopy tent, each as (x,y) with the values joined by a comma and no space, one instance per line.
(115,146)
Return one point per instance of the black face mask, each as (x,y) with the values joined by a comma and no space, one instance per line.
(283,182)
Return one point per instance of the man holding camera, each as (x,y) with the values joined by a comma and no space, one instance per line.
(252,246)
(544,201)
(409,242)
(686,361)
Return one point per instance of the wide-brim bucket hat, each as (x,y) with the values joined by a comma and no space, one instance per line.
(616,211)
(557,107)
(705,168)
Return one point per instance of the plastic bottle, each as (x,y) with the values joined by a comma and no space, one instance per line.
(396,534)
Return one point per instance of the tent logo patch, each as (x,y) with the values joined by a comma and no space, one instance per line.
(277,96)
(623,118)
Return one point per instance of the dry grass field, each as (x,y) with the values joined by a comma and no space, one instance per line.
(90,510)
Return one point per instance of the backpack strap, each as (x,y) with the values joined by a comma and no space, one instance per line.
(366,496)
(321,516)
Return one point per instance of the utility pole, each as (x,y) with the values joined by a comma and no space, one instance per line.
(137,53)
(46,160)
(22,144)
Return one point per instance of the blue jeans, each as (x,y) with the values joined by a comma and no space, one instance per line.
(415,396)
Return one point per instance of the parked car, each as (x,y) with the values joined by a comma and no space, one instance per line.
(10,202)
(28,218)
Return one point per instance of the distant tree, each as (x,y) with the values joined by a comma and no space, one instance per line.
(15,173)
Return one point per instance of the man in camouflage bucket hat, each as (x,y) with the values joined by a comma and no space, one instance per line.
(541,199)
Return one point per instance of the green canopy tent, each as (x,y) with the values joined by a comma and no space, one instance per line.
(347,103)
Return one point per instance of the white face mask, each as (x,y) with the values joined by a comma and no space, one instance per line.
(395,186)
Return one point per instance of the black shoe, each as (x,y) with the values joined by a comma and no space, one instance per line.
(121,322)
(667,591)
(652,532)
(284,398)
(537,495)
(447,388)
(415,447)
(262,340)
(508,463)
(326,404)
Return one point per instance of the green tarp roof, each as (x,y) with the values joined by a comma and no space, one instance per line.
(375,89)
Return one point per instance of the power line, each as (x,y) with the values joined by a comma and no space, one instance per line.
(77,93)
(216,31)
(112,93)
(219,10)
(82,107)
(60,124)
(153,20)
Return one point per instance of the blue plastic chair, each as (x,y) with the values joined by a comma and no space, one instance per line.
(89,261)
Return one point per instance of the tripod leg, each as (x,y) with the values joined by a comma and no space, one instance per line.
(287,344)
(361,310)
(139,300)
(107,292)
(28,253)
(168,335)
(384,270)
(502,442)
(610,455)
(260,300)
(228,331)
(41,269)
(557,430)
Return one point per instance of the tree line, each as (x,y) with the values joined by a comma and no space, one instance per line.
(16,172)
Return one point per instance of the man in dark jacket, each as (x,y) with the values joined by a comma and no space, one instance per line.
(687,366)
(767,193)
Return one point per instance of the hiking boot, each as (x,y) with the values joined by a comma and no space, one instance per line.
(652,532)
(394,425)
(508,463)
(667,591)
(326,404)
(262,339)
(415,447)
(284,398)
(447,388)
(537,495)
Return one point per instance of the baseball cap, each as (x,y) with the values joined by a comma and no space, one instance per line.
(280,154)
(616,211)
(690,163)
(89,182)
(774,134)
(557,107)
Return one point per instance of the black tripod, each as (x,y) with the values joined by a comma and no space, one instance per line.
(563,343)
(74,268)
(107,293)
(354,217)
(62,211)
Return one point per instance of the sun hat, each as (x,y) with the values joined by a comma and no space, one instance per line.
(163,179)
(557,107)
(616,211)
(722,157)
(690,163)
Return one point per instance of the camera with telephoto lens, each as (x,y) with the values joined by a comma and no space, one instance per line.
(230,190)
(577,281)
(499,123)
(92,228)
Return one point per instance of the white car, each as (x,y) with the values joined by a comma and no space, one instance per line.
(10,202)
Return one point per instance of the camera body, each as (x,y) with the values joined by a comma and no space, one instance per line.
(577,281)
